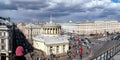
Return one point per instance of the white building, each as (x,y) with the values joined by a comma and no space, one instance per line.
(69,27)
(58,44)
(96,27)
(99,27)
(51,41)
(6,31)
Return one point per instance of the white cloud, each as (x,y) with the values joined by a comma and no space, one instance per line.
(62,9)
(68,2)
(5,1)
(26,0)
(102,3)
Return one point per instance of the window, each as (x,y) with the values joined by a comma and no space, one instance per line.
(2,41)
(4,33)
(3,56)
(51,50)
(2,47)
(57,49)
(0,33)
(3,44)
(63,48)
(50,47)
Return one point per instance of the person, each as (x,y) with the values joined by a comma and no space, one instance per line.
(69,53)
(81,52)
(20,53)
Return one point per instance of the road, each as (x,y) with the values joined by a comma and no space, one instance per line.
(98,45)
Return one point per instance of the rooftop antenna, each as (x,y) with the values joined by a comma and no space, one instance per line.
(51,19)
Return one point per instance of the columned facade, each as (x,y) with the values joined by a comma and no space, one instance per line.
(50,29)
(51,41)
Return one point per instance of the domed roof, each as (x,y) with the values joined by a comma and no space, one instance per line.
(52,40)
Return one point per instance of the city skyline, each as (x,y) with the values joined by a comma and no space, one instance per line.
(62,11)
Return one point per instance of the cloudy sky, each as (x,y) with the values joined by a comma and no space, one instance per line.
(61,10)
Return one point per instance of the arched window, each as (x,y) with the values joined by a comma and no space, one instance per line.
(63,48)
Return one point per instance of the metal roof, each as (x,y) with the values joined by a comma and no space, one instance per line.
(52,40)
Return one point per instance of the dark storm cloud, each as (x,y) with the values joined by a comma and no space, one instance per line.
(7,6)
(31,5)
(60,7)
(110,14)
(40,10)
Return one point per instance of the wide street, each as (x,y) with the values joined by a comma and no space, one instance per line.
(91,45)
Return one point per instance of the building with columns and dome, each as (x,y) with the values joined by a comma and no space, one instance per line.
(50,41)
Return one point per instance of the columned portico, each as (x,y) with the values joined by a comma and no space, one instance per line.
(51,40)
(51,29)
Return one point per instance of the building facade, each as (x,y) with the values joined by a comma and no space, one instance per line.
(99,27)
(96,27)
(30,29)
(6,38)
(69,27)
(51,41)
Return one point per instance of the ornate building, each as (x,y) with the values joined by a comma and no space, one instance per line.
(97,27)
(6,38)
(50,41)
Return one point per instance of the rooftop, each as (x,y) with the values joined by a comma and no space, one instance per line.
(32,26)
(5,22)
(52,40)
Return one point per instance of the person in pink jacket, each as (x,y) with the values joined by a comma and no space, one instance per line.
(20,53)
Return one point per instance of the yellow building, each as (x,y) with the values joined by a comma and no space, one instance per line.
(99,27)
(32,30)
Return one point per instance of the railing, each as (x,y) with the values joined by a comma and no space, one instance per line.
(108,54)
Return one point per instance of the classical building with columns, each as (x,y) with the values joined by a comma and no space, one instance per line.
(51,29)
(50,40)
(6,38)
